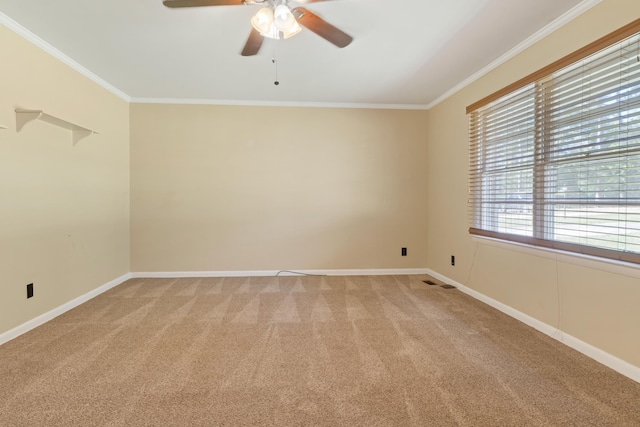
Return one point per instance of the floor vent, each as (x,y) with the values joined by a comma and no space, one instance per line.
(429,282)
(448,286)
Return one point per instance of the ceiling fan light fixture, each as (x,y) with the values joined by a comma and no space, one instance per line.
(275,20)
(278,23)
(263,21)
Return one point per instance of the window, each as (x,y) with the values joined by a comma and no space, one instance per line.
(555,157)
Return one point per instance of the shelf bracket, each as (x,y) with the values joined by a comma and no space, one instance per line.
(25,116)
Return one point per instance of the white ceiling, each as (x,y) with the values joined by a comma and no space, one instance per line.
(405,53)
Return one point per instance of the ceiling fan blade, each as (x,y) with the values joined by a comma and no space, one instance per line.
(195,3)
(254,42)
(321,27)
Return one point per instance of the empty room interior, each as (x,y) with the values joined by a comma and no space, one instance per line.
(371,217)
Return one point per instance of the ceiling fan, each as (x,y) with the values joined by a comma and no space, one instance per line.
(275,20)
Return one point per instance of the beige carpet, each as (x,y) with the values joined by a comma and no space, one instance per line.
(289,351)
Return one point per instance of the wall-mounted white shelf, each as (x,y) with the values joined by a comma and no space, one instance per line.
(25,116)
(2,127)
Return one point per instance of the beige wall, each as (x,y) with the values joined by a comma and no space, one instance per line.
(594,305)
(64,209)
(226,188)
(222,188)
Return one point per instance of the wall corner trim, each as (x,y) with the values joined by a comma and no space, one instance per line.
(43,318)
(623,367)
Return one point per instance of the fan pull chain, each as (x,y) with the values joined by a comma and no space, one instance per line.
(274,61)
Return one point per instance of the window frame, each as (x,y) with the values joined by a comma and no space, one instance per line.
(538,218)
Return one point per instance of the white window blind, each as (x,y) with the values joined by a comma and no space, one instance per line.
(556,161)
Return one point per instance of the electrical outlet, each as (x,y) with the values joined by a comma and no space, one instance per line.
(29,290)
(404,251)
(453,260)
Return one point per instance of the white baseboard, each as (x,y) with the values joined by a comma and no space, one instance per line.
(263,273)
(43,318)
(607,359)
(599,355)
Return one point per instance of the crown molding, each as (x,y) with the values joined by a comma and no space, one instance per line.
(247,103)
(530,41)
(553,26)
(31,37)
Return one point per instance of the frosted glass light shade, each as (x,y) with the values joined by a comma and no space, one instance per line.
(272,33)
(283,18)
(263,20)
(292,30)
